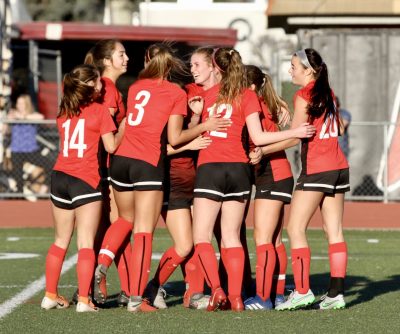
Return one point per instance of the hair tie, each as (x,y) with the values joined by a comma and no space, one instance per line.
(214,62)
(304,59)
(231,51)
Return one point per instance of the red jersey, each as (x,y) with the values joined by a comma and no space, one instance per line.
(322,152)
(113,99)
(228,146)
(278,164)
(150,103)
(79,138)
(184,160)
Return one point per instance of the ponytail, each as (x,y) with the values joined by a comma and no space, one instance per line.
(321,94)
(77,91)
(229,63)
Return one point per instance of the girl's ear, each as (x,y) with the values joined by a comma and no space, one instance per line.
(107,62)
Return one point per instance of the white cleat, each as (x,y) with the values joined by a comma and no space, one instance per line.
(59,302)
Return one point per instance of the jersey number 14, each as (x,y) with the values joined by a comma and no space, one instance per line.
(76,142)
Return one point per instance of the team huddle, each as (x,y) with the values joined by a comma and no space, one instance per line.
(192,153)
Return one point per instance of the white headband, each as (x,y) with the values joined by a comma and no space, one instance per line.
(304,59)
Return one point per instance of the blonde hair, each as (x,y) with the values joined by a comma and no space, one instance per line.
(161,61)
(229,63)
(29,109)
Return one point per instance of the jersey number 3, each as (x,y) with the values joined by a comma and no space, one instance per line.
(139,107)
(77,138)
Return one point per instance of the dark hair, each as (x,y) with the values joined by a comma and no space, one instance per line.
(161,61)
(321,93)
(229,62)
(265,90)
(103,49)
(77,91)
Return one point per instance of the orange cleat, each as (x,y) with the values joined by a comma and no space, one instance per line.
(217,300)
(236,303)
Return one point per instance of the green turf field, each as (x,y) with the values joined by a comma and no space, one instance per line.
(373,293)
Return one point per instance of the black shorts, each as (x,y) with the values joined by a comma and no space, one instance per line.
(223,181)
(129,174)
(69,192)
(277,190)
(331,182)
(178,188)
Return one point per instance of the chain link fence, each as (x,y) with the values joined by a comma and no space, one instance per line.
(374,158)
(25,173)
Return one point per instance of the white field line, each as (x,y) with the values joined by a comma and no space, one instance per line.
(33,288)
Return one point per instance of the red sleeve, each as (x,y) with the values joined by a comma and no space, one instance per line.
(110,95)
(250,103)
(180,103)
(193,89)
(106,122)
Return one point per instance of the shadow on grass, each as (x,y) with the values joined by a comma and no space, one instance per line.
(360,289)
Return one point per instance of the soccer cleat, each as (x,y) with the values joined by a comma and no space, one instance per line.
(257,304)
(297,300)
(159,301)
(51,301)
(137,303)
(151,292)
(279,299)
(82,307)
(330,303)
(217,300)
(198,301)
(100,284)
(122,299)
(236,304)
(74,299)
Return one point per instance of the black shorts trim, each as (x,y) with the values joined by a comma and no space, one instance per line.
(330,182)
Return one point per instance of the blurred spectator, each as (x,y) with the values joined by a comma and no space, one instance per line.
(24,147)
(344,138)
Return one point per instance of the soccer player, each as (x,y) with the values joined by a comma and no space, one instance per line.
(137,170)
(110,57)
(322,183)
(274,186)
(75,192)
(223,175)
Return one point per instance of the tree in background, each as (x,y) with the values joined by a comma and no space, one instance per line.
(66,10)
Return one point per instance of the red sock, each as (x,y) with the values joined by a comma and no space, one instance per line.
(115,236)
(233,259)
(194,276)
(265,266)
(208,263)
(85,270)
(140,262)
(54,261)
(301,258)
(280,269)
(168,263)
(122,261)
(338,259)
